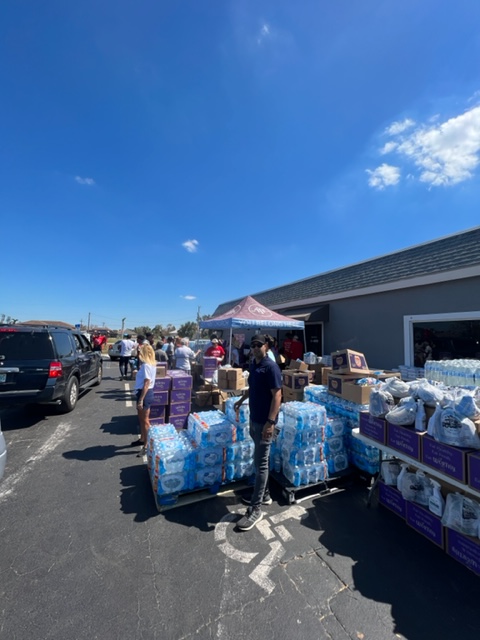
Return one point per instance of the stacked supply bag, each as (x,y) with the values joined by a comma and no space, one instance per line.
(299,450)
(362,456)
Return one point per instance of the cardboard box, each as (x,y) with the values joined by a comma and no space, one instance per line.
(222,378)
(156,421)
(356,393)
(291,395)
(236,385)
(157,411)
(161,370)
(348,361)
(405,440)
(426,523)
(179,422)
(473,470)
(464,549)
(160,397)
(183,381)
(325,373)
(235,379)
(337,380)
(295,379)
(204,398)
(297,365)
(391,498)
(162,384)
(384,375)
(180,395)
(373,428)
(451,461)
(179,409)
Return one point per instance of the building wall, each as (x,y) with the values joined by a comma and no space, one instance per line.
(373,324)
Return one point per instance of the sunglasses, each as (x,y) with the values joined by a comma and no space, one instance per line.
(255,345)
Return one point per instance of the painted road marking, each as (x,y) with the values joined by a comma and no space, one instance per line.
(10,482)
(283,533)
(128,403)
(260,573)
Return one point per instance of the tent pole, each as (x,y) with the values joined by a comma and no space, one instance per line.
(230,351)
(304,340)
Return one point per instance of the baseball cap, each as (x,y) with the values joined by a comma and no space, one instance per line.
(258,338)
(214,340)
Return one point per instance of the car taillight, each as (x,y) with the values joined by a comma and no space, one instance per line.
(55,370)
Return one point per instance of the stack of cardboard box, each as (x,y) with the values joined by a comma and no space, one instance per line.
(172,398)
(348,366)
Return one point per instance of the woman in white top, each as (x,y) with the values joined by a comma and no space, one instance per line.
(144,383)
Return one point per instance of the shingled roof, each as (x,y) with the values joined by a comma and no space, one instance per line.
(446,254)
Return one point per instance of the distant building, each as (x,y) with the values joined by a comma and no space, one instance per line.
(400,308)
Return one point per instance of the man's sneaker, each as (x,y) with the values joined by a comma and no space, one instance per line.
(250,519)
(266,500)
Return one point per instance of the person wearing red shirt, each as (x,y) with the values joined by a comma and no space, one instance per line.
(215,350)
(296,349)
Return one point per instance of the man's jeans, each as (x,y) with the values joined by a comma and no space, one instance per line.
(261,458)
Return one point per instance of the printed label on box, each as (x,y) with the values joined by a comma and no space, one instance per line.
(179,422)
(405,440)
(180,395)
(391,498)
(160,397)
(464,550)
(157,411)
(162,384)
(374,428)
(425,522)
(449,460)
(179,409)
(182,382)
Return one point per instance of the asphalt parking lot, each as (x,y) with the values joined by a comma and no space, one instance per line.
(86,554)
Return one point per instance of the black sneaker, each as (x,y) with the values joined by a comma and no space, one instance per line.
(266,500)
(250,519)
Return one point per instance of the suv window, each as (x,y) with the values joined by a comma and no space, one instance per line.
(23,345)
(86,346)
(63,344)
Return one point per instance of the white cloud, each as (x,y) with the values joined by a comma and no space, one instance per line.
(388,147)
(399,127)
(88,181)
(189,297)
(447,153)
(264,33)
(190,245)
(383,176)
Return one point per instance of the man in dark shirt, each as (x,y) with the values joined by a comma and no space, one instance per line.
(265,396)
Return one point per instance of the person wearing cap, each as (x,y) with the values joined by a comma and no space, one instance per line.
(184,356)
(126,347)
(265,396)
(215,350)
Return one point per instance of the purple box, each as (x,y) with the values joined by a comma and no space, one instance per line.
(473,464)
(155,421)
(157,411)
(179,409)
(426,523)
(180,395)
(373,428)
(405,439)
(452,461)
(160,397)
(183,381)
(464,549)
(391,498)
(179,422)
(162,384)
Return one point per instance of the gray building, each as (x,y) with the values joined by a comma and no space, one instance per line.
(400,308)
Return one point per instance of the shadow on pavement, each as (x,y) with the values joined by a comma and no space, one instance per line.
(121,425)
(137,496)
(431,595)
(99,452)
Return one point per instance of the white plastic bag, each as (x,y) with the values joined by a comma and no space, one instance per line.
(420,417)
(462,514)
(404,413)
(454,429)
(398,388)
(430,394)
(381,402)
(390,472)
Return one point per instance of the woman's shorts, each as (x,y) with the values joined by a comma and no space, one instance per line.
(148,400)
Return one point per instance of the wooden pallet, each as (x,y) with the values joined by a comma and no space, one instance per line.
(164,503)
(295,495)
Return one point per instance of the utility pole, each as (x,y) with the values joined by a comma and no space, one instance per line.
(88,325)
(123,325)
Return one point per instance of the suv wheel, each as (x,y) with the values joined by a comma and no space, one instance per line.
(99,375)
(71,396)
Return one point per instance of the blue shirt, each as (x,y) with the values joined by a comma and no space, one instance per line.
(263,378)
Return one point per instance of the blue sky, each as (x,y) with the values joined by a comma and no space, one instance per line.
(160,156)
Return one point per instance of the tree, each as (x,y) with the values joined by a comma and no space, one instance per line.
(188,329)
(143,330)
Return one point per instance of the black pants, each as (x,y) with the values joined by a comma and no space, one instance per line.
(124,365)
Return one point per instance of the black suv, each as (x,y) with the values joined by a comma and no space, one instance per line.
(46,365)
